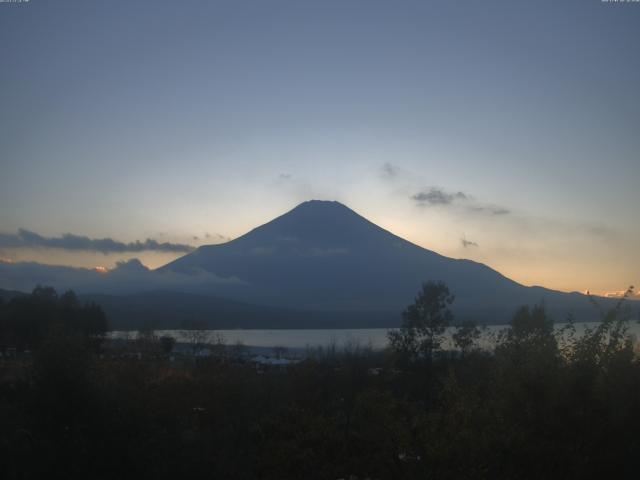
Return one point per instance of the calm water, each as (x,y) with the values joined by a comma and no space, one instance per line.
(300,339)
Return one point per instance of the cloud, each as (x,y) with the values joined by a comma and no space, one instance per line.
(436,196)
(493,210)
(633,294)
(499,211)
(216,237)
(389,171)
(127,277)
(467,243)
(69,241)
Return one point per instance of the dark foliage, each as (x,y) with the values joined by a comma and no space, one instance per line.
(424,324)
(540,404)
(28,321)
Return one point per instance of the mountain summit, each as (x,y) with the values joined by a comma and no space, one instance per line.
(316,222)
(324,256)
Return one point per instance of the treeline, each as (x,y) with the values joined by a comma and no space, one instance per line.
(26,321)
(538,404)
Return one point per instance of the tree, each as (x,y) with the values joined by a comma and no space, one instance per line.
(196,335)
(69,300)
(44,294)
(530,338)
(167,343)
(466,336)
(424,323)
(599,345)
(29,320)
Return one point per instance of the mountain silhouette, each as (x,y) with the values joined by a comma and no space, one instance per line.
(323,256)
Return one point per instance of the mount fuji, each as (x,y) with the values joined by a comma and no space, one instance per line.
(323,257)
(320,265)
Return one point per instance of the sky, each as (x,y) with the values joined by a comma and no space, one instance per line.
(506,132)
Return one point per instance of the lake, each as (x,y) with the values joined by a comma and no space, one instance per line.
(312,338)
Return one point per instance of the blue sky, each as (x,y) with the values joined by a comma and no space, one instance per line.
(174,120)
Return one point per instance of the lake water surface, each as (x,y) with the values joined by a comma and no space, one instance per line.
(376,338)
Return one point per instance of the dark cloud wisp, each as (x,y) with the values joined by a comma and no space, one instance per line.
(493,210)
(69,241)
(499,211)
(467,243)
(389,170)
(436,196)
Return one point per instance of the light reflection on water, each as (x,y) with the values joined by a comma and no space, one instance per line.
(376,338)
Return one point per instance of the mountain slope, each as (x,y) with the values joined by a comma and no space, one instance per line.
(172,310)
(324,256)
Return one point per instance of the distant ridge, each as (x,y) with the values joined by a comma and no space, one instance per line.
(7,295)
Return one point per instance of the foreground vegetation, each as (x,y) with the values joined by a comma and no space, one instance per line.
(539,404)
